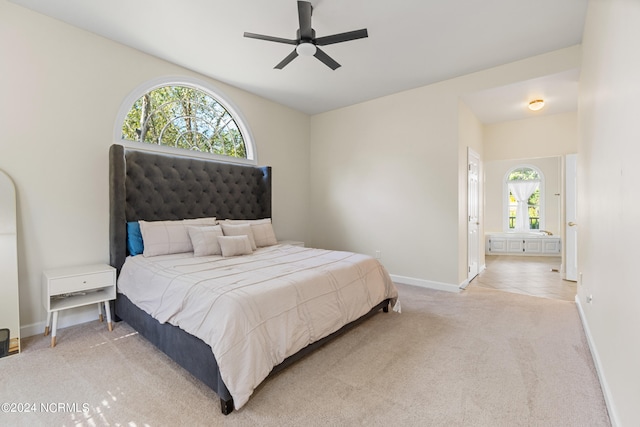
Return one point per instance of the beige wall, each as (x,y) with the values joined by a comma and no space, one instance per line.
(390,174)
(544,136)
(372,181)
(609,200)
(61,90)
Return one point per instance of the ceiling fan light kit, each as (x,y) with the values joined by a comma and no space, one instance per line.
(306,49)
(306,42)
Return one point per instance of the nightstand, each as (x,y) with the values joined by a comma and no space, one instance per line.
(70,287)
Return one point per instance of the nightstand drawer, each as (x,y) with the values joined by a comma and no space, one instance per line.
(83,282)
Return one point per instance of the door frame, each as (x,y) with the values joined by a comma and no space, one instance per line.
(474,213)
(570,246)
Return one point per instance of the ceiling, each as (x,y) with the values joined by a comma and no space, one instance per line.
(411,43)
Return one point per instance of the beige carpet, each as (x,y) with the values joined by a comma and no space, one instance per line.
(478,358)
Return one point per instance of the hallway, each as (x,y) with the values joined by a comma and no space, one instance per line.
(526,275)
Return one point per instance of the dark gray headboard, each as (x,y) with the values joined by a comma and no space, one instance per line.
(154,186)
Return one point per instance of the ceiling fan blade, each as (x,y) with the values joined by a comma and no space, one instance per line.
(326,59)
(269,38)
(342,37)
(286,60)
(304,17)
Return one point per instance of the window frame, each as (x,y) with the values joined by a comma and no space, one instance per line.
(209,89)
(505,198)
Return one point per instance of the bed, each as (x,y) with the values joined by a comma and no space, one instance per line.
(152,187)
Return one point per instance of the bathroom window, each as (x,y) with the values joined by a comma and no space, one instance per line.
(524,194)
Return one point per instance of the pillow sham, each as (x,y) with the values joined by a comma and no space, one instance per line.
(169,237)
(204,239)
(239,230)
(134,238)
(235,245)
(263,233)
(262,229)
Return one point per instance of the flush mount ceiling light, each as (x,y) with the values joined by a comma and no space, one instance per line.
(536,105)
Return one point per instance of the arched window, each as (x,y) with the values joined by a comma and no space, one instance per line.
(185,115)
(524,187)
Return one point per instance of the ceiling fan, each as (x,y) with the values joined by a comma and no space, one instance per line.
(306,41)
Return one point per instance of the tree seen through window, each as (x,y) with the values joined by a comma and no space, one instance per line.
(184,117)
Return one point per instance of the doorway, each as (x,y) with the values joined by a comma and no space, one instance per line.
(541,276)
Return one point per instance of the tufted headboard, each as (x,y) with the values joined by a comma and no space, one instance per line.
(145,185)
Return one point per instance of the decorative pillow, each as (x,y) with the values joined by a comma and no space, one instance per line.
(169,237)
(239,230)
(235,245)
(262,229)
(263,232)
(134,238)
(205,239)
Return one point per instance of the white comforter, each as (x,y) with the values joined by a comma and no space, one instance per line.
(256,310)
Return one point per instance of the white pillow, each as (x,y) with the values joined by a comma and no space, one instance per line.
(169,237)
(239,230)
(262,229)
(235,245)
(263,233)
(205,240)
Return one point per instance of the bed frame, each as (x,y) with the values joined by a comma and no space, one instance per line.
(151,186)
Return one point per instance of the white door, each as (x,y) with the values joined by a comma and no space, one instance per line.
(473,209)
(571,227)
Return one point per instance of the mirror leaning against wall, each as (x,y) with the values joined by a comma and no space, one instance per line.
(9,309)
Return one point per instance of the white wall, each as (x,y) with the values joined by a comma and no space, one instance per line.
(388,174)
(609,200)
(61,90)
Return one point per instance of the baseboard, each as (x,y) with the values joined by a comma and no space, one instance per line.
(608,398)
(464,284)
(66,318)
(440,286)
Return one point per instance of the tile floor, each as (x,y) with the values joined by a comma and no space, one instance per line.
(526,275)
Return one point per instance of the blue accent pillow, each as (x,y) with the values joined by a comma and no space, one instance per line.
(135,245)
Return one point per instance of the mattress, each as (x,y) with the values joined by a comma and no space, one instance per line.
(256,310)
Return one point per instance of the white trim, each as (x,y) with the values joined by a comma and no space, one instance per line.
(215,92)
(66,318)
(179,152)
(606,391)
(466,283)
(480,241)
(440,286)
